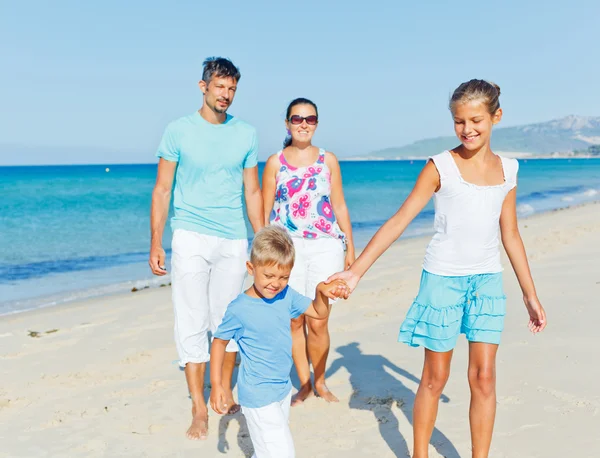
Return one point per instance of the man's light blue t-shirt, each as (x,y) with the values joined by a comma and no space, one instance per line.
(209,177)
(261,329)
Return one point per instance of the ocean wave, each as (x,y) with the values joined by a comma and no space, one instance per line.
(23,305)
(525,210)
(552,199)
(15,272)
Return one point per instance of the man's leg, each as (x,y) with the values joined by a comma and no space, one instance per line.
(194,375)
(189,277)
(226,283)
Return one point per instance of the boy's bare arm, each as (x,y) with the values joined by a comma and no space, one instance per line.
(217,393)
(319,308)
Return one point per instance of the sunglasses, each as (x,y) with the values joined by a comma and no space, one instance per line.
(310,120)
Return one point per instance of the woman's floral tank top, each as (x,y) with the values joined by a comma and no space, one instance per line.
(302,200)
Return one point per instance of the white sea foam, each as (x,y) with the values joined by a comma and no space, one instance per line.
(17,306)
(525,209)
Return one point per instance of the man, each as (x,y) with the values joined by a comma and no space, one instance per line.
(211,155)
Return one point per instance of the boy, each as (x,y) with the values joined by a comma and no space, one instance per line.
(259,321)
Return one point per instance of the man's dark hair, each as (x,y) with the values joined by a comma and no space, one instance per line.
(221,68)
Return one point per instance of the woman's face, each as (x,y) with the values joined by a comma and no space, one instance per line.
(302,123)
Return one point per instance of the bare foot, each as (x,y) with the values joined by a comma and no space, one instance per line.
(233,407)
(198,430)
(302,395)
(323,392)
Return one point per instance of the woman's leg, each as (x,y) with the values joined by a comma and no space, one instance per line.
(482,380)
(325,257)
(436,370)
(318,350)
(298,325)
(300,357)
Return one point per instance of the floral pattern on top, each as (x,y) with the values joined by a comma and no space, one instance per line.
(302,200)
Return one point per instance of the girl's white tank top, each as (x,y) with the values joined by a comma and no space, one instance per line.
(467,221)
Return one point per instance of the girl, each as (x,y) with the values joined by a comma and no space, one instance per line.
(461,286)
(302,192)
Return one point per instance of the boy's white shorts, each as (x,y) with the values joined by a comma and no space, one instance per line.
(316,260)
(270,430)
(207,273)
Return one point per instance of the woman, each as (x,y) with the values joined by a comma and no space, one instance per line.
(302,192)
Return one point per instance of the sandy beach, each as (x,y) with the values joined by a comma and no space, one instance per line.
(100,378)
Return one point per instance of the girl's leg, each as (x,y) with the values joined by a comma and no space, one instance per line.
(300,357)
(482,380)
(318,350)
(436,370)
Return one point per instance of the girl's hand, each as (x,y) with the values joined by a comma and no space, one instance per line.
(349,277)
(350,258)
(537,314)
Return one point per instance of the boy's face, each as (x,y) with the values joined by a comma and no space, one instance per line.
(270,280)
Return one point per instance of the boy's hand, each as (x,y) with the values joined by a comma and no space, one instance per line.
(348,277)
(218,401)
(335,289)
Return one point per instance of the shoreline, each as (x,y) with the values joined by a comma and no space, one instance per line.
(509,154)
(155,283)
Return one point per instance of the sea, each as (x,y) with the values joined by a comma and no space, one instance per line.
(75,232)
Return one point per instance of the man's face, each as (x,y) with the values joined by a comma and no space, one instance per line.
(219,93)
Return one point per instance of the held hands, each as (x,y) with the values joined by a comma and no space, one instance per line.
(348,277)
(218,401)
(157,260)
(537,314)
(334,289)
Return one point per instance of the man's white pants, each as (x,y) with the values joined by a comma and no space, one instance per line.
(207,273)
(270,430)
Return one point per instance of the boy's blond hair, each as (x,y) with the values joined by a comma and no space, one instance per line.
(272,246)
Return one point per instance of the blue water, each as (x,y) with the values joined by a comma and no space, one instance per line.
(69,232)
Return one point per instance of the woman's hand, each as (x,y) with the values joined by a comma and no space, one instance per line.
(350,258)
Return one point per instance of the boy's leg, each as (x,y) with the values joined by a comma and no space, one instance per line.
(326,257)
(285,405)
(226,283)
(189,277)
(270,431)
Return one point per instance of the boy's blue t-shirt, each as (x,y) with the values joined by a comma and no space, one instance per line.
(261,329)
(209,177)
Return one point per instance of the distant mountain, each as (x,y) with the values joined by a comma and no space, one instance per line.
(572,133)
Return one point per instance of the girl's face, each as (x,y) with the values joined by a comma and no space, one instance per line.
(473,124)
(302,123)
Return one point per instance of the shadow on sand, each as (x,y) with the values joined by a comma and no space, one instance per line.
(243,436)
(375,390)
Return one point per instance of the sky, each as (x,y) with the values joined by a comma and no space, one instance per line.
(97,82)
